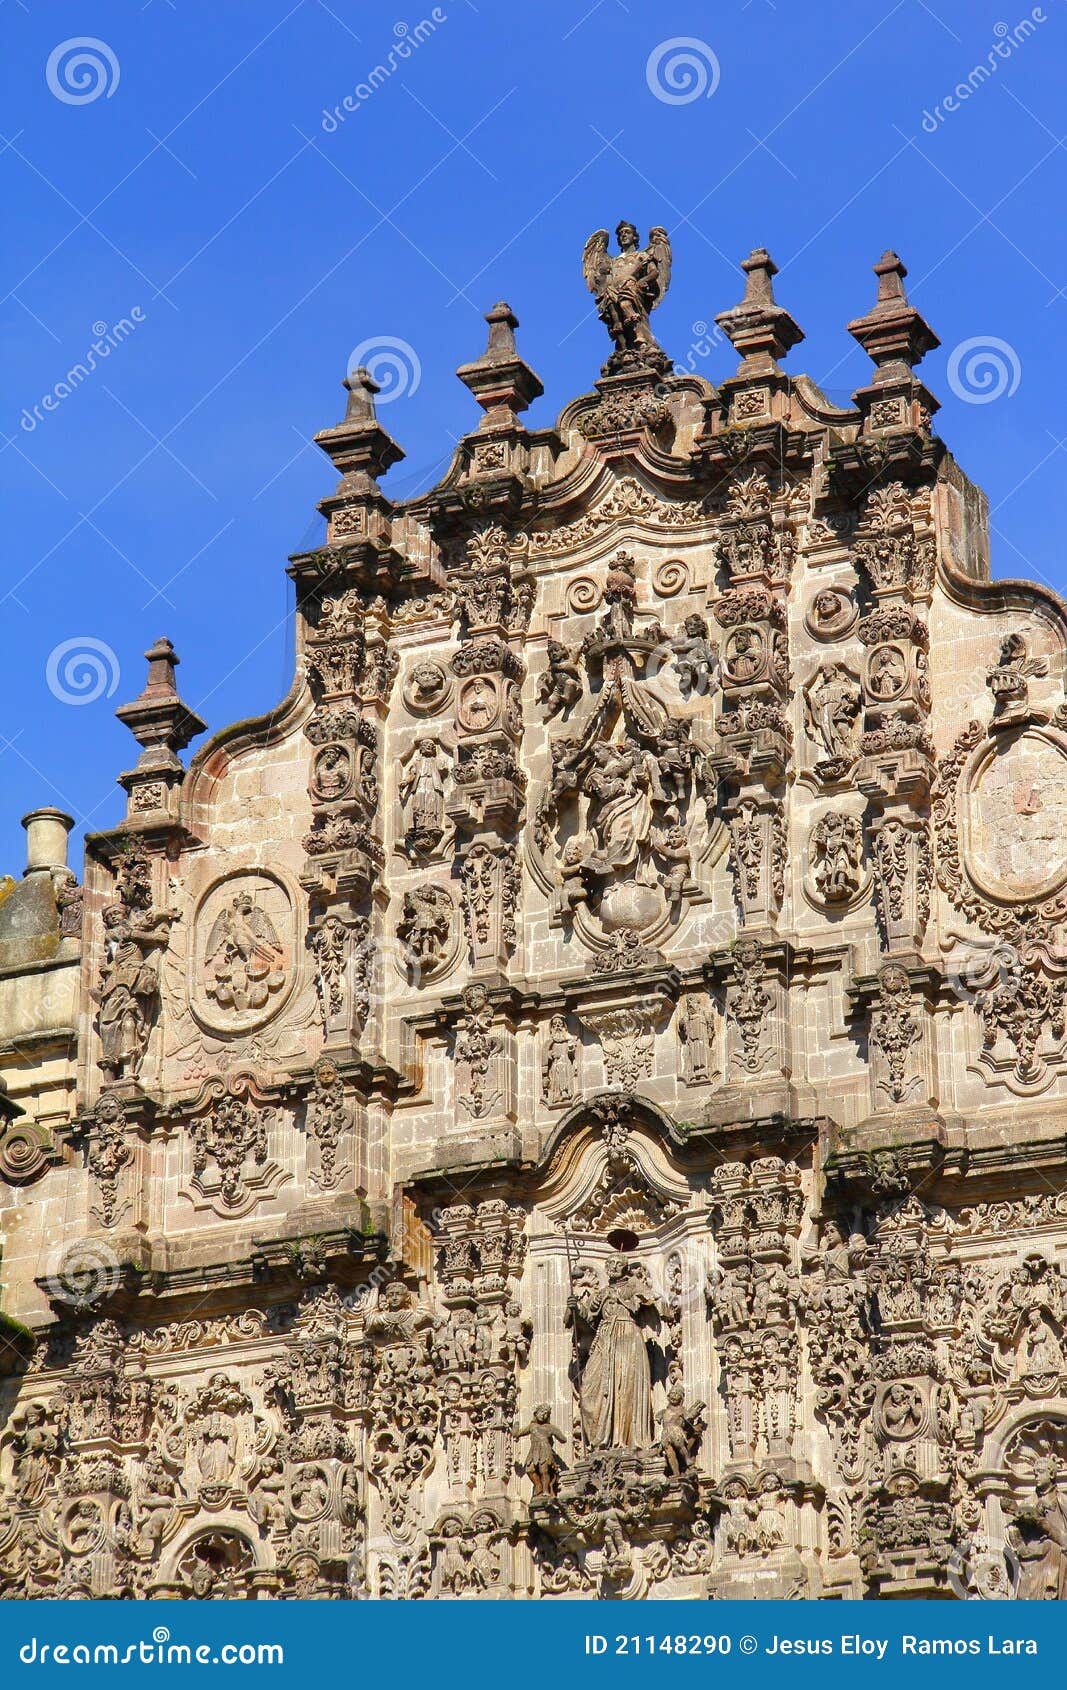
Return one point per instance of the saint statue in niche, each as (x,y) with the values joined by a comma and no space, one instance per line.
(422,791)
(1038,1536)
(559,1068)
(616,1387)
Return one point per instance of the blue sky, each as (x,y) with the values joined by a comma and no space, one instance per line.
(183,178)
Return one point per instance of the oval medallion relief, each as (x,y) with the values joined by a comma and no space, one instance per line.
(242,958)
(1015,819)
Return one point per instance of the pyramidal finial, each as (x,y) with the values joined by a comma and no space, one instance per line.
(361,387)
(502,325)
(891,271)
(894,335)
(760,270)
(760,329)
(501,381)
(158,720)
(162,661)
(359,447)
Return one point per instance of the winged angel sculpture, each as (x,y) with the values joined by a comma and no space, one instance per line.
(626,288)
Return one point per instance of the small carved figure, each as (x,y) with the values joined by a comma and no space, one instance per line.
(70,899)
(424,774)
(425,925)
(681,1430)
(729,1295)
(453,1562)
(616,1392)
(269,1496)
(559,1067)
(476,1051)
(518,1332)
(672,847)
(543,1465)
(332,773)
(696,658)
(351,1498)
(902,1410)
(886,672)
(561,684)
(427,688)
(159,1497)
(674,758)
(128,997)
(36,1450)
(1040,1355)
(837,848)
(745,656)
(695,1033)
(573,873)
(831,614)
(831,709)
(1038,1535)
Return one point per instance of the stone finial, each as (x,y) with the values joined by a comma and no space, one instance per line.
(361,388)
(47,834)
(157,718)
(894,335)
(761,330)
(359,447)
(501,381)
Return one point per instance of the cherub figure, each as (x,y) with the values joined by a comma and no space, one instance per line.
(672,845)
(561,684)
(269,1499)
(674,757)
(696,658)
(574,885)
(681,1430)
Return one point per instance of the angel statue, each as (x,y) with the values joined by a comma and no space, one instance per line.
(627,287)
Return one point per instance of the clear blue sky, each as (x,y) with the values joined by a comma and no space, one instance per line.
(259,243)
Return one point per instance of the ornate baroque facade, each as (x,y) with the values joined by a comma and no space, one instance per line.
(569,1104)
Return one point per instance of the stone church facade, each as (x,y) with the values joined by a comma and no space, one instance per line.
(570,1104)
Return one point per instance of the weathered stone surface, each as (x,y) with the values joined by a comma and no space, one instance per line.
(570,1103)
